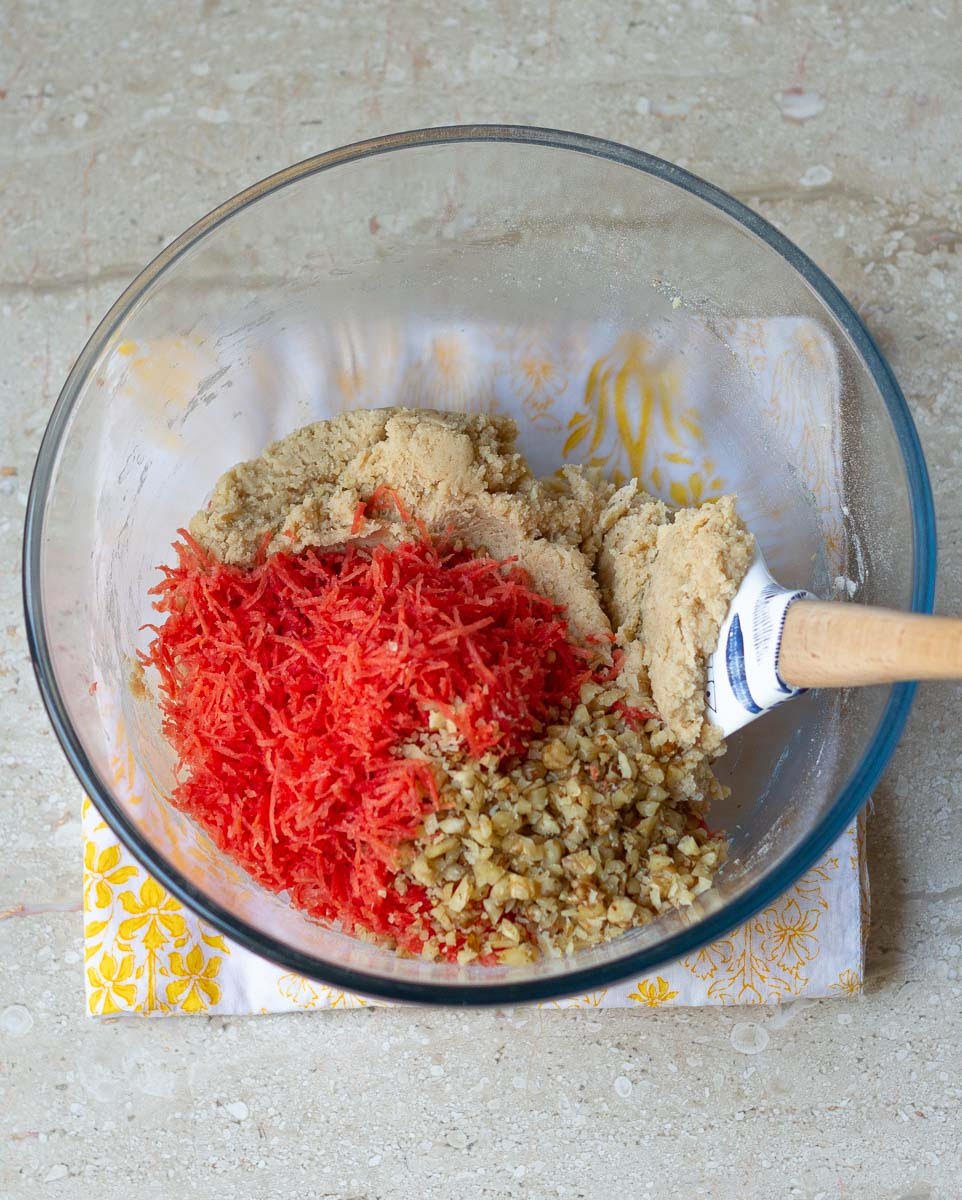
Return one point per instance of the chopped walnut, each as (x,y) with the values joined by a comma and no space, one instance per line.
(596,830)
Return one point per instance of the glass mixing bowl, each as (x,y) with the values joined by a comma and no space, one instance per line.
(627,313)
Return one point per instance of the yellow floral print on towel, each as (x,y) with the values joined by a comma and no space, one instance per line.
(631,402)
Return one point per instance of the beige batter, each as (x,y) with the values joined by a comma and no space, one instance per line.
(618,559)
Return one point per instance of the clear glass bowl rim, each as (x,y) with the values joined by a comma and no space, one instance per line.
(578,980)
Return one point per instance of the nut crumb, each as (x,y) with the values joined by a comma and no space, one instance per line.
(566,848)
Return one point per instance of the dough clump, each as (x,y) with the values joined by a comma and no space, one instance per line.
(621,562)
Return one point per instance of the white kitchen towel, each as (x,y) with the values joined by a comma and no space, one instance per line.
(146,953)
(663,404)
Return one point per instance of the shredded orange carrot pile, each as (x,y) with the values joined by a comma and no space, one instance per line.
(289,690)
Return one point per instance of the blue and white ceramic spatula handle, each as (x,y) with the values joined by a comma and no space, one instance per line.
(743,676)
(776,643)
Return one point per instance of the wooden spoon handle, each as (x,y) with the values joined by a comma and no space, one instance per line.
(845,645)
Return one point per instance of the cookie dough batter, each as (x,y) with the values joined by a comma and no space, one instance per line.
(620,560)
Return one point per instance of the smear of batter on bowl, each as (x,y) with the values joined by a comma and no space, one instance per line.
(448,705)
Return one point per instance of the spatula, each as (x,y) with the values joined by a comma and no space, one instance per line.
(776,643)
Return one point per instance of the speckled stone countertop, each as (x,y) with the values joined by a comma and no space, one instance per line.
(119,126)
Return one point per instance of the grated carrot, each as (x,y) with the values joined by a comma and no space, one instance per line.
(289,690)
